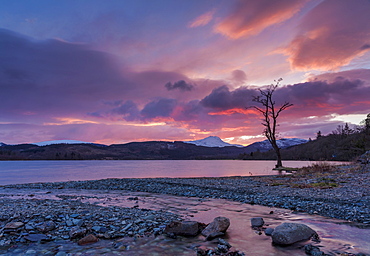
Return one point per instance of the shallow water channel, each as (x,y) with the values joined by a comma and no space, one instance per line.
(336,235)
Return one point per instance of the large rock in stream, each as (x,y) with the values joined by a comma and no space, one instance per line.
(216,228)
(289,233)
(185,228)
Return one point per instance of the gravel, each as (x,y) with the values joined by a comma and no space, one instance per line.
(348,200)
(342,194)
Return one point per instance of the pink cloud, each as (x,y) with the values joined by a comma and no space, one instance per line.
(202,20)
(251,17)
(331,35)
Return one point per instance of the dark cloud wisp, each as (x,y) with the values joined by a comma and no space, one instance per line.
(180,85)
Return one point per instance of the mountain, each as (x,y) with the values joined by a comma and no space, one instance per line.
(265,145)
(2,144)
(53,142)
(150,150)
(212,141)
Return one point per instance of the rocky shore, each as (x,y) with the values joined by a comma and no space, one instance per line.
(341,193)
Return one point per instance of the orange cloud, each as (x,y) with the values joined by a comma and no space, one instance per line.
(229,112)
(202,20)
(251,17)
(331,36)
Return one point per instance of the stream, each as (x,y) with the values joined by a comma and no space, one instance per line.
(336,235)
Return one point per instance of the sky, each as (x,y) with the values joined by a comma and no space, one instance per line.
(137,70)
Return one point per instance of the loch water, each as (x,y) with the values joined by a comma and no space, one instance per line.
(18,172)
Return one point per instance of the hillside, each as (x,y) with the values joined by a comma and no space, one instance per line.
(334,147)
(133,151)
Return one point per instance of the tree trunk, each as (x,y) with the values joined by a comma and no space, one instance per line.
(279,162)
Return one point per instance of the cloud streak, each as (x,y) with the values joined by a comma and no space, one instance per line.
(252,17)
(202,20)
(331,35)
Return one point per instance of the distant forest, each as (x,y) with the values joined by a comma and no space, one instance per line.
(342,144)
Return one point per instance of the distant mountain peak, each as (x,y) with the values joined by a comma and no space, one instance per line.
(282,143)
(212,141)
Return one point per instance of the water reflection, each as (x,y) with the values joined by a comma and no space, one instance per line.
(17,172)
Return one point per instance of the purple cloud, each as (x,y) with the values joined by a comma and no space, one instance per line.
(223,98)
(159,108)
(180,85)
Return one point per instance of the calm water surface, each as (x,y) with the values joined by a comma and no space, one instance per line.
(17,172)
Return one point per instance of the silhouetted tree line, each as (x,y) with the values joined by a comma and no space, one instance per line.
(342,144)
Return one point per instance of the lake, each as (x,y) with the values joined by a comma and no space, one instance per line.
(17,172)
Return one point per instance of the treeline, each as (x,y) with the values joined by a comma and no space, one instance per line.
(342,144)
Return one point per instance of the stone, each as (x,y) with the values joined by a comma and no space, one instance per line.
(36,237)
(289,233)
(214,235)
(185,228)
(313,250)
(89,239)
(77,232)
(219,224)
(12,226)
(268,231)
(29,227)
(46,226)
(257,222)
(224,242)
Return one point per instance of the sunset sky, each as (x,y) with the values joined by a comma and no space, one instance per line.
(136,70)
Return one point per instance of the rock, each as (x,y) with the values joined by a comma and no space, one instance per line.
(219,224)
(268,231)
(222,248)
(257,222)
(185,228)
(12,226)
(289,233)
(89,239)
(46,226)
(313,250)
(214,235)
(77,232)
(36,237)
(224,242)
(97,228)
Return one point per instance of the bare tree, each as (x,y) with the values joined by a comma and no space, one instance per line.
(270,113)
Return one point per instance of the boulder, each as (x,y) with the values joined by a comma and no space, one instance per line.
(185,228)
(289,233)
(89,239)
(219,224)
(257,222)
